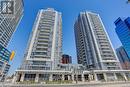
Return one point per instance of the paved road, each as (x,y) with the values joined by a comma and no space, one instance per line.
(117,84)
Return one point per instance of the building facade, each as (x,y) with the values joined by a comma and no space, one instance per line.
(66,59)
(44,51)
(123,57)
(94,49)
(95,63)
(4,62)
(8,24)
(123,32)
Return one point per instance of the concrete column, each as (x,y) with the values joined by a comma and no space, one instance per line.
(68,77)
(63,77)
(22,77)
(95,77)
(72,77)
(51,77)
(90,77)
(15,78)
(83,79)
(125,77)
(37,78)
(105,76)
(115,76)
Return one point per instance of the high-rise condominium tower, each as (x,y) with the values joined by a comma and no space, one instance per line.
(44,47)
(45,44)
(8,26)
(94,49)
(9,23)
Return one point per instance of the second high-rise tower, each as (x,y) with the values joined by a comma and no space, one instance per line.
(94,49)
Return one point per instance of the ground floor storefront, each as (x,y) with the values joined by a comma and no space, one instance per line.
(58,75)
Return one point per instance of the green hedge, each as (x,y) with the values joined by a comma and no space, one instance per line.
(58,82)
(46,82)
(28,82)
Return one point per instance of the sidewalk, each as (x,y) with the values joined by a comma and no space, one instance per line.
(85,84)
